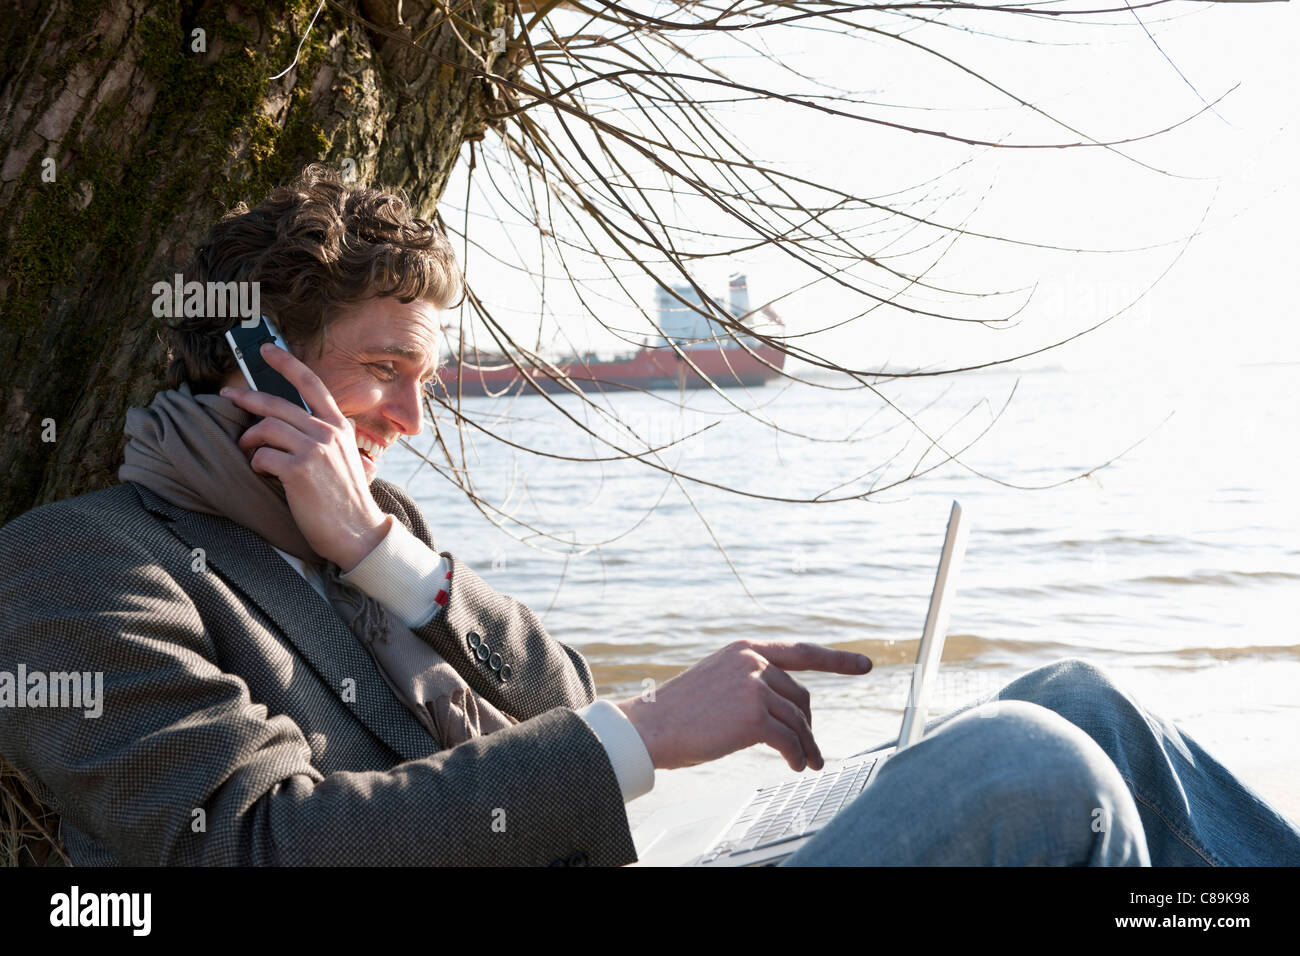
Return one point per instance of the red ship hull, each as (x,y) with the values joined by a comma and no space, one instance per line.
(660,368)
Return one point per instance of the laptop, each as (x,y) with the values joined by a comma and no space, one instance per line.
(775,821)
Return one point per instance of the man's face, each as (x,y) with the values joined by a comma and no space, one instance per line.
(375,360)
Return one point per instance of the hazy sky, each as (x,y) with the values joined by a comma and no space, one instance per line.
(1229,173)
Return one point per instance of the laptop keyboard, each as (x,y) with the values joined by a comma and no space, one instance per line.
(794,809)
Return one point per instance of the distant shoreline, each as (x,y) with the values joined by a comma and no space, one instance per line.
(815,374)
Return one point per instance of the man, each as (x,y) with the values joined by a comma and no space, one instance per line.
(292,674)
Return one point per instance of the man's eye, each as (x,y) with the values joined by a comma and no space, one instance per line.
(389,371)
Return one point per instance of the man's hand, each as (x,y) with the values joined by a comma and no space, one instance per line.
(316,459)
(736,697)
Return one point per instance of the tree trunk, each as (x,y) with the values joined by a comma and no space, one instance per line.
(130,126)
(128,133)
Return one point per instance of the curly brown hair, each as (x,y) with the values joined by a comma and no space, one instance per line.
(313,246)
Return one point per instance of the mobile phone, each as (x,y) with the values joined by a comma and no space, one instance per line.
(246,343)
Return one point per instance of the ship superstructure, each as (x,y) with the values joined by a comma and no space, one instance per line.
(729,357)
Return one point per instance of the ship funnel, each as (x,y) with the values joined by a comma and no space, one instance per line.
(739,295)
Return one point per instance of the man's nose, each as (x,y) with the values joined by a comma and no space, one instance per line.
(405,410)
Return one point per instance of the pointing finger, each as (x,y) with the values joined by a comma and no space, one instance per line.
(801,656)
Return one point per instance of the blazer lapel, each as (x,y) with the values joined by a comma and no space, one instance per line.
(249,564)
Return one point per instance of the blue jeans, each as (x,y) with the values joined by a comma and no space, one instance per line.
(1060,767)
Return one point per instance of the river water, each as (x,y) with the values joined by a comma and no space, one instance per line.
(1176,567)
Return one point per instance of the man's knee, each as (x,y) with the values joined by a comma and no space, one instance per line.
(1069,671)
(1006,783)
(1012,734)
(1047,785)
(1078,689)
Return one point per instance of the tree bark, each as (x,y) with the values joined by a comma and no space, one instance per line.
(126,137)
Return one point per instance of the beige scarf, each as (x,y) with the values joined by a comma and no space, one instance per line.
(183,448)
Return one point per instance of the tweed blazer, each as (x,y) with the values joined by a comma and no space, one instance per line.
(243,723)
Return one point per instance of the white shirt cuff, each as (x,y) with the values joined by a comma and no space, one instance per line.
(405,575)
(627,754)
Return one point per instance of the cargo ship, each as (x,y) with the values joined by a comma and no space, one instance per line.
(653,366)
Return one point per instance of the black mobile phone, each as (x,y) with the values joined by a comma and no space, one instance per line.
(246,343)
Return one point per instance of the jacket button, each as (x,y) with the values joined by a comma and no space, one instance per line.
(494,662)
(483,652)
(579,858)
(560,862)
(474,639)
(505,672)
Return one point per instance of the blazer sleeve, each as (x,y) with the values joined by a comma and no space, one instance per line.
(182,767)
(556,674)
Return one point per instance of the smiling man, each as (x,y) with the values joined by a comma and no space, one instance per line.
(373,361)
(287,670)
(292,673)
